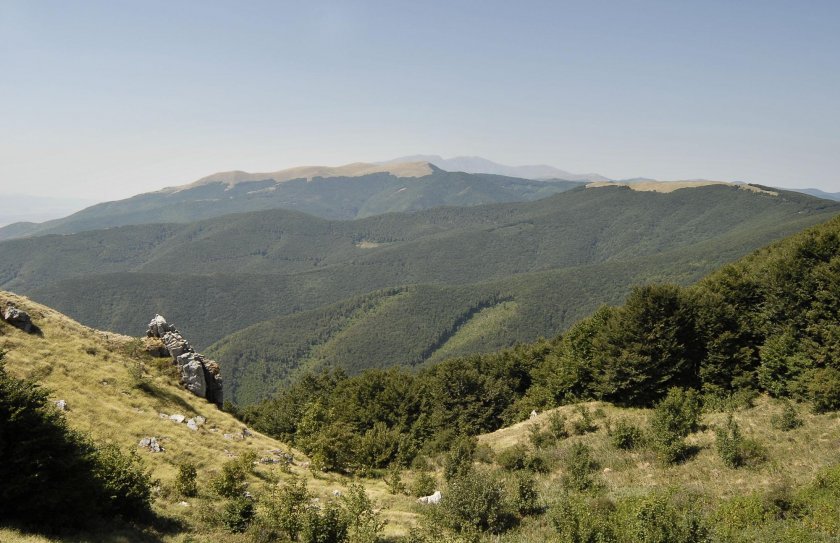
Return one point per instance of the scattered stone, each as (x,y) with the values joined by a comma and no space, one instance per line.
(533,414)
(269,460)
(246,433)
(199,420)
(151,443)
(434,499)
(247,495)
(163,415)
(191,424)
(336,493)
(183,504)
(607,471)
(177,418)
(18,318)
(229,436)
(61,405)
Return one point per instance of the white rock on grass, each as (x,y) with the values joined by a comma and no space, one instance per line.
(177,418)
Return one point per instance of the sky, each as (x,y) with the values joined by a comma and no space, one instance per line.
(103,100)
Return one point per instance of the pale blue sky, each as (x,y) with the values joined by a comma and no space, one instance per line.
(108,99)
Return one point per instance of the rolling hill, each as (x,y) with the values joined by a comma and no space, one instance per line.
(346,192)
(396,288)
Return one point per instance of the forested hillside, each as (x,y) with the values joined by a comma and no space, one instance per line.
(494,275)
(766,324)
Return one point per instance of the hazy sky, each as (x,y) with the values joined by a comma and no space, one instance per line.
(108,99)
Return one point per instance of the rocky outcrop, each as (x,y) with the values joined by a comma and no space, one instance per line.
(18,318)
(199,374)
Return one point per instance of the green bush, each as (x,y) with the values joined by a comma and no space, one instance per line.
(237,514)
(660,518)
(557,426)
(459,460)
(584,424)
(230,482)
(424,484)
(578,467)
(513,458)
(787,420)
(734,449)
(476,499)
(393,480)
(185,481)
(625,436)
(577,519)
(526,498)
(676,416)
(52,477)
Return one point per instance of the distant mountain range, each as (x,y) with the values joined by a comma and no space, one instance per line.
(347,192)
(820,194)
(477,164)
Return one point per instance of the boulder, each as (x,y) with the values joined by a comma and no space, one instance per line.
(158,327)
(18,318)
(192,425)
(434,499)
(192,374)
(177,418)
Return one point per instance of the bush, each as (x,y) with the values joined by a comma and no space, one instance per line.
(364,524)
(540,438)
(237,514)
(283,511)
(526,498)
(513,458)
(578,467)
(625,436)
(657,518)
(185,481)
(557,426)
(53,477)
(577,519)
(476,499)
(393,480)
(734,449)
(230,482)
(584,424)
(673,419)
(424,485)
(787,420)
(459,459)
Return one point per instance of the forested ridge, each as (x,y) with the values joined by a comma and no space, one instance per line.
(765,324)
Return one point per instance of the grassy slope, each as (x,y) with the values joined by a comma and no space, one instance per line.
(793,457)
(91,371)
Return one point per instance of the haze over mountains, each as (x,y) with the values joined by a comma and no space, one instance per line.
(477,164)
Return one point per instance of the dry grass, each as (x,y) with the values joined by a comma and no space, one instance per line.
(671,186)
(92,371)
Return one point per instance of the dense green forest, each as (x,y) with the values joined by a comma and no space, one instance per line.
(328,197)
(768,323)
(498,274)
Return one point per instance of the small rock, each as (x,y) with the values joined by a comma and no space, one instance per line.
(61,405)
(607,471)
(430,500)
(192,425)
(269,460)
(151,443)
(246,433)
(177,418)
(533,414)
(337,493)
(183,504)
(200,420)
(163,415)
(229,436)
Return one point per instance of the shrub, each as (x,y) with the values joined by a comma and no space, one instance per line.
(787,420)
(584,424)
(557,426)
(283,511)
(822,387)
(526,498)
(476,499)
(230,482)
(540,438)
(364,524)
(625,436)
(54,477)
(459,459)
(185,481)
(513,458)
(484,454)
(393,480)
(578,467)
(676,416)
(657,518)
(577,519)
(237,514)
(736,450)
(424,485)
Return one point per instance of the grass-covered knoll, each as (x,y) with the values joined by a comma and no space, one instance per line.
(115,395)
(334,196)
